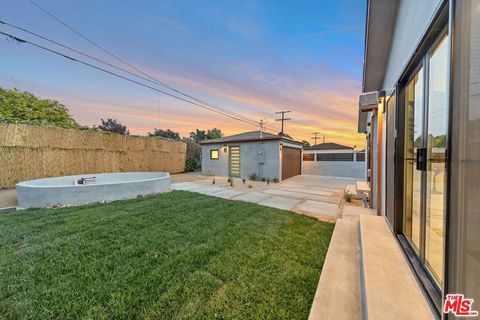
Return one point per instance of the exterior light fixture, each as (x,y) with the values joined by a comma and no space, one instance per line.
(224,148)
(281,145)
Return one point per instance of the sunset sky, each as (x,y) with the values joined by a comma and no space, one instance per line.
(251,57)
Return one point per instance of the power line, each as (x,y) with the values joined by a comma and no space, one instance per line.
(120,69)
(20,40)
(283,119)
(131,65)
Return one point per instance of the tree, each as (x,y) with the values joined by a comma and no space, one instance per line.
(198,135)
(165,134)
(214,133)
(307,144)
(24,107)
(113,125)
(285,135)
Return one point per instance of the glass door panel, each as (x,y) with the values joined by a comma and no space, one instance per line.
(413,141)
(436,159)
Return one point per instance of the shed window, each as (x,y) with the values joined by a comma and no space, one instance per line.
(361,156)
(214,154)
(334,156)
(308,157)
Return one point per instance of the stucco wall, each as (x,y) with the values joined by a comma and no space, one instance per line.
(349,169)
(411,23)
(248,159)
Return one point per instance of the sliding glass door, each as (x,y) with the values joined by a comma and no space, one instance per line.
(413,143)
(426,123)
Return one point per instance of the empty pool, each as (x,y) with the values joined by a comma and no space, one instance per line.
(89,188)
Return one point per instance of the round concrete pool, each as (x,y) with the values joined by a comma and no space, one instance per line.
(89,188)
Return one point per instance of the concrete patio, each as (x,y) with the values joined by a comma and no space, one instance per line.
(316,196)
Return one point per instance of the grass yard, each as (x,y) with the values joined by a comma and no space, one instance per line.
(177,255)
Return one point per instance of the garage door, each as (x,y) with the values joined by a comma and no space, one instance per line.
(291,162)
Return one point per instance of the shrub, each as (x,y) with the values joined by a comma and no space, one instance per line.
(276,180)
(253,177)
(190,164)
(244,180)
(348,197)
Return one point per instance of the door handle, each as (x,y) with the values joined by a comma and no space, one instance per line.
(422,159)
(419,160)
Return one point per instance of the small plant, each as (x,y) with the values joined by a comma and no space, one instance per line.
(244,180)
(348,197)
(210,173)
(263,179)
(231,182)
(253,177)
(249,186)
(268,181)
(275,180)
(213,181)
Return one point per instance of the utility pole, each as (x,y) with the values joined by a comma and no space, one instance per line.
(315,137)
(283,119)
(262,126)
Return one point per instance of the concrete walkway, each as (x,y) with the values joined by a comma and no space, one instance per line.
(8,199)
(315,196)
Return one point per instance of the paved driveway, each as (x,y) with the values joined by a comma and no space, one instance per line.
(311,195)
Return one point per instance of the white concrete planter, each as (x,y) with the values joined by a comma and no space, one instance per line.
(62,191)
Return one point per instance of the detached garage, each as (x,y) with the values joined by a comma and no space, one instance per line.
(242,155)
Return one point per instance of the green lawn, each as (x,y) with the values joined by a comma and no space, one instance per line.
(177,255)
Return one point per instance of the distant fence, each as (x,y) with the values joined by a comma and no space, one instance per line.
(32,152)
(344,163)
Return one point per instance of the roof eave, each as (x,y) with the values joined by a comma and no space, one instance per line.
(379,29)
(205,142)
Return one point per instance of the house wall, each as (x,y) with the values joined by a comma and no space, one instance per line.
(248,159)
(412,21)
(374,169)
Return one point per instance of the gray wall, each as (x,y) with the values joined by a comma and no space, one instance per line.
(412,21)
(248,159)
(348,169)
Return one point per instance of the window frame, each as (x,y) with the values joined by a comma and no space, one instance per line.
(218,154)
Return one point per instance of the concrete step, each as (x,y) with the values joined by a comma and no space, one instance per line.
(363,188)
(353,213)
(351,188)
(389,288)
(338,291)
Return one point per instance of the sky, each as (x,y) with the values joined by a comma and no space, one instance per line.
(251,57)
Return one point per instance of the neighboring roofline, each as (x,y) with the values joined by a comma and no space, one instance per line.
(339,147)
(204,142)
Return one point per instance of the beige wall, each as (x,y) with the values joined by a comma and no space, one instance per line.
(32,152)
